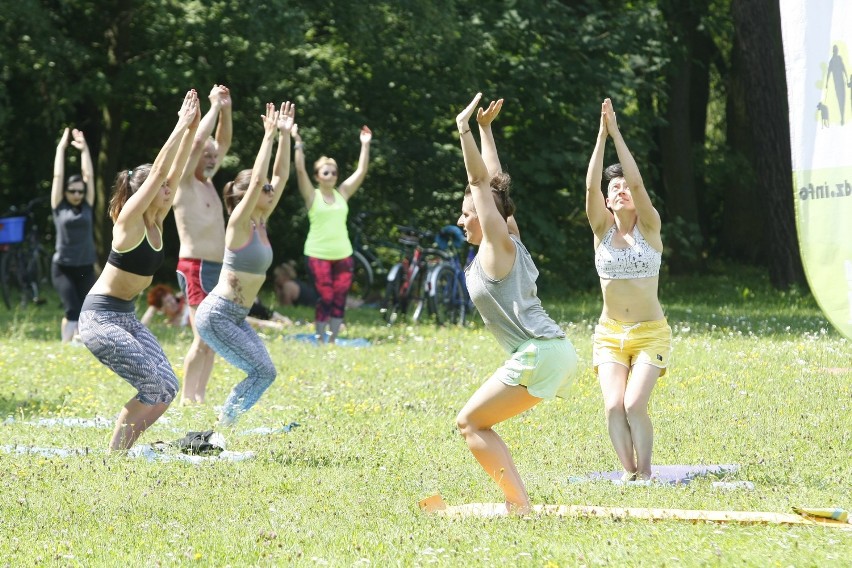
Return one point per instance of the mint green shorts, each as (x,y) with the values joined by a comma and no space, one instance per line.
(545,366)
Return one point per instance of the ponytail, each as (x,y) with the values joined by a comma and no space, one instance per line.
(127,182)
(234,191)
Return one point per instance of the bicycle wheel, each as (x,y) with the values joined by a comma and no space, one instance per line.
(392,306)
(416,300)
(362,278)
(33,278)
(446,301)
(10,278)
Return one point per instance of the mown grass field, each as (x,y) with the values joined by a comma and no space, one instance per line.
(758,378)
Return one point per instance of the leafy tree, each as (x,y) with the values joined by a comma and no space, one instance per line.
(405,68)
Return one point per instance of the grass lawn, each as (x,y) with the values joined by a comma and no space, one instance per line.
(758,378)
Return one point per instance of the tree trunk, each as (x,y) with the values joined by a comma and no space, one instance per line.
(111,133)
(678,137)
(757,25)
(743,234)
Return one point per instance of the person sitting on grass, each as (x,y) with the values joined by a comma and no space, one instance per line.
(289,290)
(163,300)
(501,280)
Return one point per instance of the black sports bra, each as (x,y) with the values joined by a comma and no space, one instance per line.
(142,259)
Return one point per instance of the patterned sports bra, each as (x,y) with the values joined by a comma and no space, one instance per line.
(639,261)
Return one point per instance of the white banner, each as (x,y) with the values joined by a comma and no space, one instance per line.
(817,38)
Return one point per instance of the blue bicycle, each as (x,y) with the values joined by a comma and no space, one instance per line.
(449,300)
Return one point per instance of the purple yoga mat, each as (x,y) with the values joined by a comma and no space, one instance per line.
(675,474)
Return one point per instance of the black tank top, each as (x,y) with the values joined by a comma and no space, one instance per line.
(143,259)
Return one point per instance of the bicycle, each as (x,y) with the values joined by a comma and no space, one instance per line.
(368,264)
(449,299)
(406,280)
(22,260)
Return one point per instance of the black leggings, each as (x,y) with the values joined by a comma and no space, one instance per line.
(72,283)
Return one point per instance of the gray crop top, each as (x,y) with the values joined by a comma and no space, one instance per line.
(639,261)
(254,258)
(510,307)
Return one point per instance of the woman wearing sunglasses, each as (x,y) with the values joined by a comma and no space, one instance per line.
(72,269)
(327,247)
(221,317)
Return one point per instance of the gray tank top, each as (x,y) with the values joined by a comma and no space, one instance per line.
(254,258)
(75,242)
(510,307)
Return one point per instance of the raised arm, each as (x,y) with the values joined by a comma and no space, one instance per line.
(138,203)
(58,186)
(486,137)
(600,218)
(353,182)
(179,164)
(496,249)
(281,165)
(225,127)
(649,218)
(306,188)
(148,317)
(79,142)
(202,134)
(241,215)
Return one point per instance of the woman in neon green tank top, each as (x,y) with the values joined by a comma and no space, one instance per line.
(327,247)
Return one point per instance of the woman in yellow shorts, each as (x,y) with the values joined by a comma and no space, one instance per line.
(632,340)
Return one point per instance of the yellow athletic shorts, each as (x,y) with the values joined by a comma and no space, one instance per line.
(545,366)
(629,343)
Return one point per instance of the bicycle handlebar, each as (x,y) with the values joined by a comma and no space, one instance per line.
(24,209)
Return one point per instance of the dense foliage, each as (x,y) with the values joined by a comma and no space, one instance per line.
(404,67)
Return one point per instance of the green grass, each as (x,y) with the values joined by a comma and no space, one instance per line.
(758,378)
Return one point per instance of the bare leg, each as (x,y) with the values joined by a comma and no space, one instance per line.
(134,419)
(334,326)
(197,366)
(69,329)
(491,404)
(320,332)
(636,398)
(613,381)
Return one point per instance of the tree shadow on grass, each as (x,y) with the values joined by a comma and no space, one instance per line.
(28,407)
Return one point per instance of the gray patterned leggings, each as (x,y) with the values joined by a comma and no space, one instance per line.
(222,324)
(109,328)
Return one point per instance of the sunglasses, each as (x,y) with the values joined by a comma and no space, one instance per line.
(267,188)
(75,191)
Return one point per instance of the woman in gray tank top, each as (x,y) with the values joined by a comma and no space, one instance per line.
(501,279)
(73,265)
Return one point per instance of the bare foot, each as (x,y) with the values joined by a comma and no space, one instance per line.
(518,509)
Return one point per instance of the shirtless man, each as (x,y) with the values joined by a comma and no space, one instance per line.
(201,228)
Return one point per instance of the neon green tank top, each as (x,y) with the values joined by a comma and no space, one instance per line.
(328,238)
